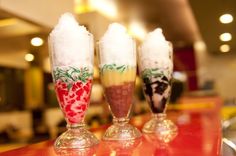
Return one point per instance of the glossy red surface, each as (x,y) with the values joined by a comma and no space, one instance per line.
(199,135)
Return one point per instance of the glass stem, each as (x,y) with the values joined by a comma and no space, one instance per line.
(75,126)
(159,116)
(120,121)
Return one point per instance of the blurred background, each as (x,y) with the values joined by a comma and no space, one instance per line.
(202,32)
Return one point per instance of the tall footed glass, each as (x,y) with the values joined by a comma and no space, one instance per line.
(118,80)
(73,82)
(156,74)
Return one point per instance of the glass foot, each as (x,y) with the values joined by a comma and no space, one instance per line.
(121,131)
(77,152)
(165,130)
(75,138)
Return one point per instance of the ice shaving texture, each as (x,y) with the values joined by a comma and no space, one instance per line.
(70,44)
(155,51)
(116,46)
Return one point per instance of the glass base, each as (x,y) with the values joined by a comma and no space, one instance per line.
(77,137)
(165,130)
(121,130)
(77,152)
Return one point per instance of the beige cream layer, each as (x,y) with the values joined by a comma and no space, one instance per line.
(115,77)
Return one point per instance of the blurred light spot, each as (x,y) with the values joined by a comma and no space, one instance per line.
(29,57)
(113,153)
(137,30)
(46,65)
(225,37)
(138,121)
(7,22)
(226,18)
(181,76)
(224,48)
(200,46)
(82,6)
(106,7)
(184,119)
(36,41)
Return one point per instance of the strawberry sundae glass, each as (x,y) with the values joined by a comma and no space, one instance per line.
(71,54)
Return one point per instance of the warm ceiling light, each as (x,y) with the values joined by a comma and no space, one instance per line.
(29,57)
(106,7)
(82,6)
(225,37)
(224,48)
(200,45)
(36,41)
(226,18)
(7,22)
(137,30)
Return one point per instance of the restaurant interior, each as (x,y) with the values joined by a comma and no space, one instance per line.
(203,38)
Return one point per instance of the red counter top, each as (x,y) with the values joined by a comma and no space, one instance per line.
(199,135)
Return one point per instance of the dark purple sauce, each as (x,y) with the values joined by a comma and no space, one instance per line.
(158,87)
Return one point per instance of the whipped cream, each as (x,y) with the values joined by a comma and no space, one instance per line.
(116,46)
(70,44)
(156,51)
